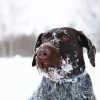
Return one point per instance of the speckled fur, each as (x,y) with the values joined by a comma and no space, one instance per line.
(78,88)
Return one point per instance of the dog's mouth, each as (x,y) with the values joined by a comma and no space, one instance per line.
(45,65)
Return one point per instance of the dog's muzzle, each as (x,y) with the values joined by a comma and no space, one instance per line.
(48,56)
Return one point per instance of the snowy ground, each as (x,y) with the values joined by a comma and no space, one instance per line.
(18,79)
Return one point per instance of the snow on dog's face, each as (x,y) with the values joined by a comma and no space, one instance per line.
(62,44)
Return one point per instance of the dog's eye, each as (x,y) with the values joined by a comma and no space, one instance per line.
(59,35)
(63,37)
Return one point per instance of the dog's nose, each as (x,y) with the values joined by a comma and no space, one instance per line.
(43,53)
(48,56)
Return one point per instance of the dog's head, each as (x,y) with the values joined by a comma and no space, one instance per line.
(62,44)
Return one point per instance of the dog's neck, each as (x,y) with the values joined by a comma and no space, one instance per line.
(66,71)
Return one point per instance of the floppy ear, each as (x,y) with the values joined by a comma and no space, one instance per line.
(91,50)
(38,43)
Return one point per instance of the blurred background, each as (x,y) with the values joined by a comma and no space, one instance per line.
(21,21)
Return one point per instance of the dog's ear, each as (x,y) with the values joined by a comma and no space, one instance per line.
(91,50)
(38,43)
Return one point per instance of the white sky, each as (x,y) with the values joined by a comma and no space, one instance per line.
(25,16)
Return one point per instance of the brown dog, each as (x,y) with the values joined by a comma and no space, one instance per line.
(61,49)
(63,44)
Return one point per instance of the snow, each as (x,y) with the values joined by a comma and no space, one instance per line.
(18,79)
(67,68)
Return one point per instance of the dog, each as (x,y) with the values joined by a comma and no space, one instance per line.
(58,53)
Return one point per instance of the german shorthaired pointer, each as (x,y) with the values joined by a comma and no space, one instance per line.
(59,55)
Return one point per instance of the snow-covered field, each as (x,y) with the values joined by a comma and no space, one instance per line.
(18,79)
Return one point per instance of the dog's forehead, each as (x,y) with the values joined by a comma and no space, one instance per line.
(60,32)
(55,32)
(65,30)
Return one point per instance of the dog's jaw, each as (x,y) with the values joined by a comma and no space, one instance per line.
(57,75)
